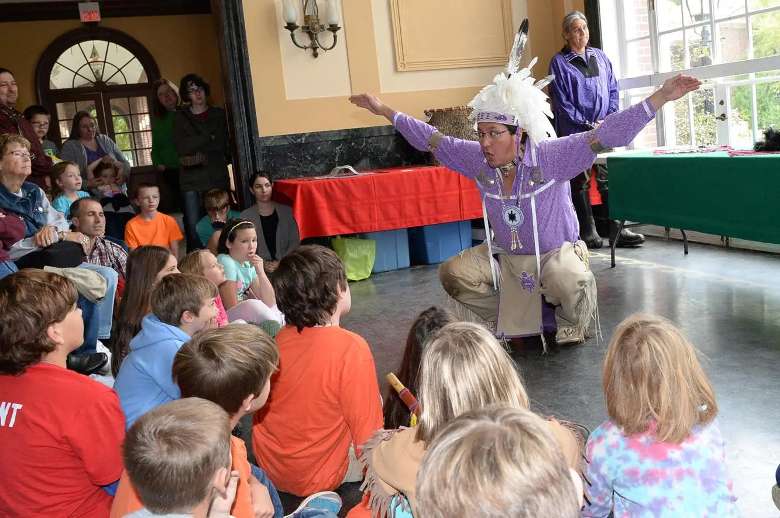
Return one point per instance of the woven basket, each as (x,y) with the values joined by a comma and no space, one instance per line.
(452,122)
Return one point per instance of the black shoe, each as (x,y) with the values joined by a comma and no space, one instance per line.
(627,238)
(581,201)
(87,363)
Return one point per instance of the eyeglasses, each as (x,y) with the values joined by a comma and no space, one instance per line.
(217,208)
(492,134)
(24,155)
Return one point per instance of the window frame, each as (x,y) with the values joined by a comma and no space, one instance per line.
(101,93)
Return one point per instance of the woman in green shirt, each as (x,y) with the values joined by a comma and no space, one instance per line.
(164,156)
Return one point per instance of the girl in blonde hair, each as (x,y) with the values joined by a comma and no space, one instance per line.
(661,452)
(463,368)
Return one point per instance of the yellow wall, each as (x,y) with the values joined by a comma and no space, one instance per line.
(288,83)
(179,44)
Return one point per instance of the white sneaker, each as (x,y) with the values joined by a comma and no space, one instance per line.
(323,501)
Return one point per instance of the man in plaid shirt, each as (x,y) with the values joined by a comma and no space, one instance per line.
(87,217)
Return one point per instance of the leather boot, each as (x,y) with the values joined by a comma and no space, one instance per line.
(581,201)
(87,363)
(627,239)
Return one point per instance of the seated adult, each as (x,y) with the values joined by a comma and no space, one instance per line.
(48,241)
(218,212)
(277,231)
(87,217)
(61,432)
(86,147)
(14,123)
(11,231)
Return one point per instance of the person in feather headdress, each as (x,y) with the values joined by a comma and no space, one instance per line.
(533,256)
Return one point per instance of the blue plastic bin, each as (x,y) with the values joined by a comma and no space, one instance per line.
(433,244)
(392,249)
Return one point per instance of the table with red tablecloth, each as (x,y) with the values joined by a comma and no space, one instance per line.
(378,200)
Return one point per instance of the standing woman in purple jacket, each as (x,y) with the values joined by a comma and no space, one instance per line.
(583,93)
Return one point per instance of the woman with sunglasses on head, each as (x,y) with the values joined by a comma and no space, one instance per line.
(200,135)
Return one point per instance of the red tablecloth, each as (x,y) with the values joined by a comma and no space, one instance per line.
(379,200)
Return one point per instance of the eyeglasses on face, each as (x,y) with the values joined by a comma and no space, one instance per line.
(493,134)
(23,155)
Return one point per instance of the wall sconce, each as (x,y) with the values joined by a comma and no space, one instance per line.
(311,23)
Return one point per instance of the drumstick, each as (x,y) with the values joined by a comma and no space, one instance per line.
(404,393)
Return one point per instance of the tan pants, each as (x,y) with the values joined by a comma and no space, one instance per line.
(566,282)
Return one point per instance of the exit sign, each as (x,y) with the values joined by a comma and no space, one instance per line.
(89,12)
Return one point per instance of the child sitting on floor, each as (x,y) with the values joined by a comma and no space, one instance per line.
(66,186)
(203,263)
(325,403)
(182,305)
(218,212)
(661,452)
(528,474)
(246,293)
(422,331)
(178,459)
(463,368)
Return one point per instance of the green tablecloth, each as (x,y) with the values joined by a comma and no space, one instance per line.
(708,192)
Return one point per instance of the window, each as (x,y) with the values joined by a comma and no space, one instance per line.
(732,45)
(109,75)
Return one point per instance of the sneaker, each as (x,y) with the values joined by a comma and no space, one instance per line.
(322,501)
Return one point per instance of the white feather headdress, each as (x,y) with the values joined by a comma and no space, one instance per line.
(515,100)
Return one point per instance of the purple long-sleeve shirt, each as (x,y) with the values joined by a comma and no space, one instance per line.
(546,168)
(584,90)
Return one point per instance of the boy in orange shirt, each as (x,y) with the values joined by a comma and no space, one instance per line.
(232,366)
(325,403)
(152,227)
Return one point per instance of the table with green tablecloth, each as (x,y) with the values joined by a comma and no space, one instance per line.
(734,196)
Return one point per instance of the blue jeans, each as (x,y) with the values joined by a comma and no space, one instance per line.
(91,324)
(7,268)
(105,306)
(261,477)
(191,212)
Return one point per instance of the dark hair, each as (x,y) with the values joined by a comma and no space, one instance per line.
(144,185)
(225,365)
(143,265)
(102,166)
(196,80)
(157,108)
(76,205)
(229,233)
(423,329)
(5,71)
(30,302)
(260,174)
(35,109)
(308,282)
(75,132)
(56,170)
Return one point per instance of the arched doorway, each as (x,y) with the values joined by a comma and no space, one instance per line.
(107,73)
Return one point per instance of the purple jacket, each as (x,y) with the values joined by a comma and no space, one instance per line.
(546,169)
(584,91)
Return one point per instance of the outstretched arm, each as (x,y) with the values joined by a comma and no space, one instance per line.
(564,158)
(460,155)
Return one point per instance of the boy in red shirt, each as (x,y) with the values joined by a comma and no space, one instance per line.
(325,401)
(60,432)
(152,227)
